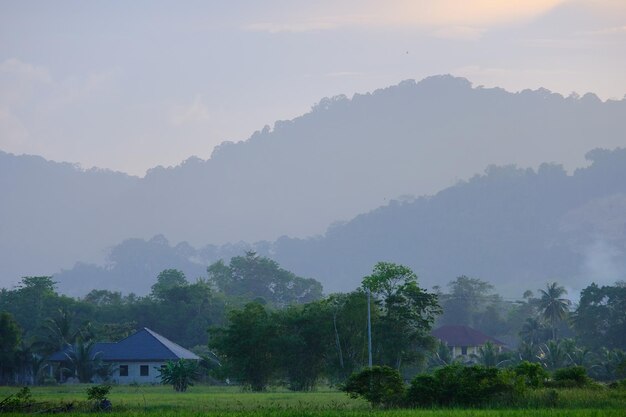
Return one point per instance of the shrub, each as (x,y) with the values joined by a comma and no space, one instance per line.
(179,374)
(98,394)
(380,385)
(533,374)
(457,385)
(424,391)
(16,402)
(573,376)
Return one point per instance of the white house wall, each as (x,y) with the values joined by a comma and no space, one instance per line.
(134,376)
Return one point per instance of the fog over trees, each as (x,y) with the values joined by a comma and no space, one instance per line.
(344,158)
(516,228)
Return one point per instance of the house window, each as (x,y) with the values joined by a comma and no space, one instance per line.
(144,370)
(463,350)
(123,370)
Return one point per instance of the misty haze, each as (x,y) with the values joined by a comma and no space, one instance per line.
(186,190)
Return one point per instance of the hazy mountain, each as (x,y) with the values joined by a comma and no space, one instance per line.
(517,228)
(345,157)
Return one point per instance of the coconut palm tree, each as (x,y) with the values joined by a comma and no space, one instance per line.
(554,308)
(487,355)
(179,374)
(533,331)
(85,363)
(553,355)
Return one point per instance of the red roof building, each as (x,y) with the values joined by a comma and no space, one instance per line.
(463,340)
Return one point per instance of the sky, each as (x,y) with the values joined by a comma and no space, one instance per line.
(131,85)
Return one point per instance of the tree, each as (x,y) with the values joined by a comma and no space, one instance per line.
(84,363)
(10,335)
(166,280)
(382,386)
(180,374)
(407,314)
(533,332)
(599,320)
(350,334)
(61,331)
(304,339)
(468,297)
(487,355)
(32,301)
(247,346)
(554,308)
(252,277)
(553,355)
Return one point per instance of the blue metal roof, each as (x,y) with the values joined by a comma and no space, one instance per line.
(144,345)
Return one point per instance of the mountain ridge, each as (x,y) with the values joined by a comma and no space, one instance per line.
(344,157)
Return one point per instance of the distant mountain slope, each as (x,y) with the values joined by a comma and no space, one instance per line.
(52,214)
(517,228)
(345,157)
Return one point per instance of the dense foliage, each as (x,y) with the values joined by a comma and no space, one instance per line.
(264,329)
(179,374)
(380,385)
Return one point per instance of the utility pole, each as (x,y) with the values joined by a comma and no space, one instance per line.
(369,329)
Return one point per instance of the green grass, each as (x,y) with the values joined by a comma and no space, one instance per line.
(231,401)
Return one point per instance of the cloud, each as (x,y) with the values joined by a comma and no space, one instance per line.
(20,80)
(615,30)
(462,33)
(13,133)
(77,89)
(196,112)
(345,74)
(453,19)
(298,26)
(22,70)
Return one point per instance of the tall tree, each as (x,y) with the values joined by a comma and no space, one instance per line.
(407,314)
(468,297)
(254,277)
(599,319)
(166,280)
(10,335)
(305,337)
(350,336)
(247,346)
(554,308)
(85,363)
(533,332)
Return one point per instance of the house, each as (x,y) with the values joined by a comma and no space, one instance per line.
(137,358)
(464,341)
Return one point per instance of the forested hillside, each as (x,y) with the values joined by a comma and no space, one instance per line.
(345,157)
(517,228)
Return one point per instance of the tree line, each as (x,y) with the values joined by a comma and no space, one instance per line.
(257,325)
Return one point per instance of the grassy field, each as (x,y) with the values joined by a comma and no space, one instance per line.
(231,401)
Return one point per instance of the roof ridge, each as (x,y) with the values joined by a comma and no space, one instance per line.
(162,339)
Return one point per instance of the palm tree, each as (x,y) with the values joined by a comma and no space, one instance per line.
(59,332)
(553,355)
(554,308)
(487,355)
(533,331)
(180,374)
(84,363)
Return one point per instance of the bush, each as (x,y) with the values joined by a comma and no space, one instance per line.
(573,376)
(179,374)
(424,391)
(457,385)
(16,402)
(380,385)
(533,374)
(98,394)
